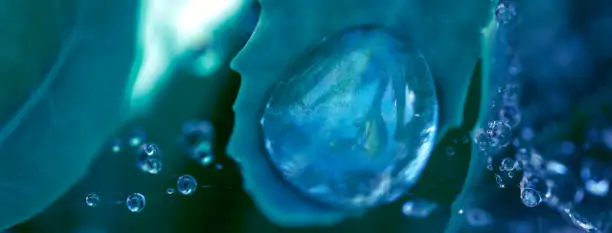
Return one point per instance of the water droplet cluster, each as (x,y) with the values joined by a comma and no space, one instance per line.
(531,146)
(196,138)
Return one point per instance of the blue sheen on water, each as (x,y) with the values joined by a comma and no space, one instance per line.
(353,125)
(135,202)
(186,185)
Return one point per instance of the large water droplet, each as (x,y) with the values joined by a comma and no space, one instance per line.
(135,202)
(530,197)
(359,118)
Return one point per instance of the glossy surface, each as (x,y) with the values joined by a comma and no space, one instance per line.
(354,122)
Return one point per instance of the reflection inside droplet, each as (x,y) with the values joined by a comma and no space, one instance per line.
(357,114)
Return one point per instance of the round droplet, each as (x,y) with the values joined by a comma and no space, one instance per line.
(150,158)
(450,151)
(356,114)
(478,217)
(504,13)
(418,208)
(198,138)
(135,202)
(500,181)
(530,197)
(92,199)
(170,191)
(508,165)
(511,115)
(500,132)
(186,184)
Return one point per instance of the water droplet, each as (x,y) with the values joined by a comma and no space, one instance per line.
(478,217)
(530,197)
(186,185)
(556,167)
(137,137)
(508,165)
(135,202)
(490,163)
(92,199)
(170,191)
(198,138)
(381,94)
(504,13)
(418,208)
(450,151)
(150,158)
(594,181)
(499,181)
(511,115)
(501,132)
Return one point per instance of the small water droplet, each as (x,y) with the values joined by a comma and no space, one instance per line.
(150,158)
(450,151)
(504,13)
(500,181)
(418,208)
(170,191)
(135,202)
(508,165)
(530,197)
(186,185)
(92,199)
(198,138)
(478,217)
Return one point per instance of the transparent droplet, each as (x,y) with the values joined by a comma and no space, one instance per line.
(530,197)
(135,202)
(450,151)
(508,165)
(380,93)
(198,138)
(150,158)
(418,208)
(186,184)
(501,132)
(511,115)
(92,199)
(500,181)
(170,191)
(595,182)
(504,13)
(478,217)
(563,190)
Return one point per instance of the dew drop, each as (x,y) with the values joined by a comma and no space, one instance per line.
(500,181)
(380,92)
(504,13)
(198,138)
(418,208)
(508,165)
(149,158)
(135,202)
(92,199)
(186,185)
(170,191)
(511,115)
(450,151)
(530,197)
(478,217)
